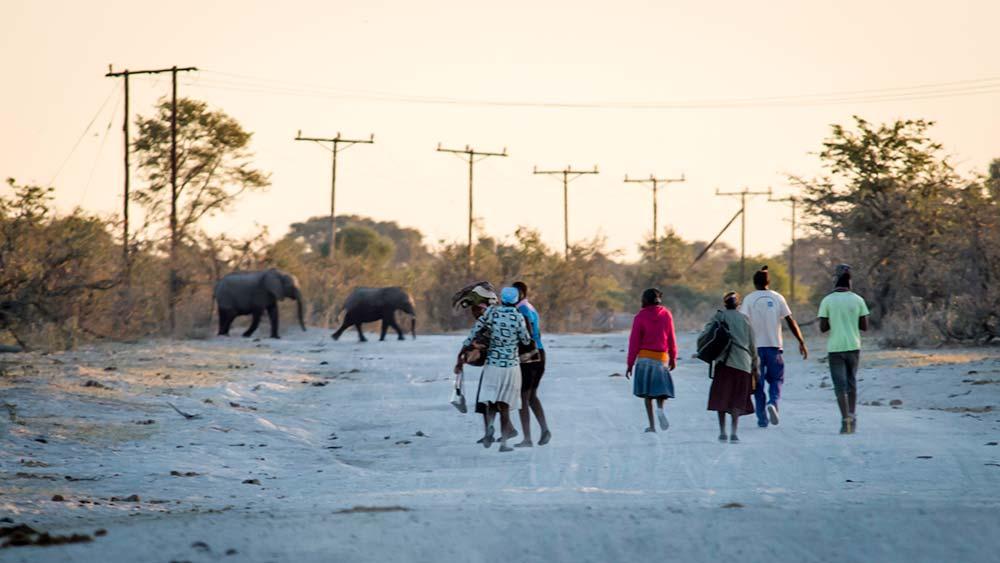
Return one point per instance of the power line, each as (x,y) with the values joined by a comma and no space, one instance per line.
(655,182)
(472,155)
(335,143)
(100,151)
(174,280)
(902,93)
(82,135)
(743,224)
(568,175)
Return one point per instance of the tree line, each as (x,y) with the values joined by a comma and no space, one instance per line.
(920,236)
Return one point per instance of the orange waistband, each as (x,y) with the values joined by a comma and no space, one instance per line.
(653,355)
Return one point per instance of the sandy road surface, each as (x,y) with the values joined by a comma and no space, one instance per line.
(319,427)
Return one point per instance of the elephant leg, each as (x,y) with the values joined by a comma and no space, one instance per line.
(225,319)
(399,331)
(272,317)
(253,324)
(385,327)
(343,326)
(361,333)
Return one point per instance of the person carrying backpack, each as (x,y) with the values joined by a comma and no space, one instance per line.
(735,368)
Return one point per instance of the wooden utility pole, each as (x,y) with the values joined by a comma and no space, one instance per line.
(568,175)
(473,157)
(336,143)
(655,182)
(791,249)
(173,281)
(124,74)
(743,224)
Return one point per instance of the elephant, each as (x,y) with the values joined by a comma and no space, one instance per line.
(370,304)
(252,293)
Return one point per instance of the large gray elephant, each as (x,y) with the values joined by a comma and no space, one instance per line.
(252,293)
(370,304)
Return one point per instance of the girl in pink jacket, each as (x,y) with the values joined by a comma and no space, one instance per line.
(652,354)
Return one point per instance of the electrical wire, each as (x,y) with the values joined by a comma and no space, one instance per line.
(100,150)
(111,92)
(957,88)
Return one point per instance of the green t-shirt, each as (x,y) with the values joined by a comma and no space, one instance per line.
(843,309)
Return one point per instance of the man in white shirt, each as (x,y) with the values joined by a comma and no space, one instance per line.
(766,309)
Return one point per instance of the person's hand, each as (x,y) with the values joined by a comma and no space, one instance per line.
(673,364)
(458,368)
(803,350)
(628,373)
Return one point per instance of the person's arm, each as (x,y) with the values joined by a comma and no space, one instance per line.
(794,327)
(479,325)
(754,359)
(863,323)
(824,316)
(671,343)
(523,334)
(863,317)
(633,345)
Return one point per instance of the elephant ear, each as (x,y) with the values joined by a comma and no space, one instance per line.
(271,281)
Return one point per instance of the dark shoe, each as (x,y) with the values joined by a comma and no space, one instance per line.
(510,435)
(487,440)
(506,449)
(733,439)
(651,429)
(524,444)
(845,426)
(723,438)
(546,436)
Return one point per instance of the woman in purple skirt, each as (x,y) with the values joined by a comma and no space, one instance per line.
(736,372)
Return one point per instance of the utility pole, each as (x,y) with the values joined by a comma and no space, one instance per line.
(791,249)
(655,182)
(473,157)
(743,224)
(336,142)
(568,175)
(173,177)
(124,74)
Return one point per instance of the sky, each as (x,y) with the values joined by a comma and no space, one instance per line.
(741,94)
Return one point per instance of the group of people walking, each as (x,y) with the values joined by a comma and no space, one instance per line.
(507,341)
(748,371)
(751,363)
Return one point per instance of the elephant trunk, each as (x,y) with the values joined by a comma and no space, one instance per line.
(298,304)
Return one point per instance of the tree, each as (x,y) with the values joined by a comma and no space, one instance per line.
(54,268)
(885,196)
(213,164)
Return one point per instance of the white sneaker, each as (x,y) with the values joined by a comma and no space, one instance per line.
(662,416)
(772,413)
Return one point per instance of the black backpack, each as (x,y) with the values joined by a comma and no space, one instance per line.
(715,344)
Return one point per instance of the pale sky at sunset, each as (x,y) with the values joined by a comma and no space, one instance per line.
(319,67)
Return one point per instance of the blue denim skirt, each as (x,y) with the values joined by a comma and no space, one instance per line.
(651,380)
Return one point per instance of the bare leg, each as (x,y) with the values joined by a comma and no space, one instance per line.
(488,416)
(722,426)
(732,431)
(649,415)
(525,414)
(504,422)
(536,407)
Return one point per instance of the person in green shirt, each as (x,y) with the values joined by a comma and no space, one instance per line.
(844,315)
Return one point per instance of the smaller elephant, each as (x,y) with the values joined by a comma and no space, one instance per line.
(252,293)
(370,304)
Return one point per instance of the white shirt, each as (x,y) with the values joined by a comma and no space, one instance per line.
(766,309)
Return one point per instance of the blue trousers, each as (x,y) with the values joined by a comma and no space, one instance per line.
(772,372)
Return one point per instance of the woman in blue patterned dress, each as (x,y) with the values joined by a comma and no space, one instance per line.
(500,384)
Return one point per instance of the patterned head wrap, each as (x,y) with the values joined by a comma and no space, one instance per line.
(479,294)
